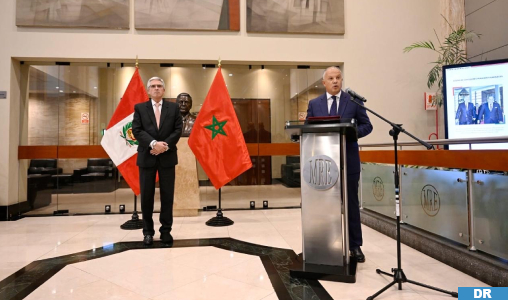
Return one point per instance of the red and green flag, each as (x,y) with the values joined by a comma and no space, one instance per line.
(217,139)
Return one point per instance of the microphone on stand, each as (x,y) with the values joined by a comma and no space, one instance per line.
(355,95)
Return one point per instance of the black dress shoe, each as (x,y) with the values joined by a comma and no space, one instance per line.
(166,238)
(358,254)
(148,240)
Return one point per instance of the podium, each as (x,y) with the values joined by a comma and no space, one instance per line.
(325,233)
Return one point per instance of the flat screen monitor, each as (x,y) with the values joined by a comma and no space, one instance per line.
(474,102)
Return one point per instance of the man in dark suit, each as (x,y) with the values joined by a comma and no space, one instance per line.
(466,112)
(490,112)
(335,102)
(157,125)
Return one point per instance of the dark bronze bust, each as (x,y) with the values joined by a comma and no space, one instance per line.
(184,101)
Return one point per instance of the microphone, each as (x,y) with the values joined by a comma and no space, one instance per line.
(355,95)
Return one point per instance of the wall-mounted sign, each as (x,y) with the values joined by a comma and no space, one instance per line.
(3,94)
(85,118)
(430,101)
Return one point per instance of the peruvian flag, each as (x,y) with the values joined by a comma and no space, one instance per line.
(118,141)
(216,137)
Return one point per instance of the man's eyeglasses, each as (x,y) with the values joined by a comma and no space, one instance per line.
(156,86)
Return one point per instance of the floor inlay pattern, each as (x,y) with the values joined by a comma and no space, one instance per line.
(276,262)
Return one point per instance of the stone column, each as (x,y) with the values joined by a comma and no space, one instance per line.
(454,12)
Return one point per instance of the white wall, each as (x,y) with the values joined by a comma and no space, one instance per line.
(371,50)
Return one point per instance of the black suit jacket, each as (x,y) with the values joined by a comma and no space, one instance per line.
(493,116)
(347,110)
(144,128)
(465,115)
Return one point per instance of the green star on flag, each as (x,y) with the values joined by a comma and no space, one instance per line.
(217,127)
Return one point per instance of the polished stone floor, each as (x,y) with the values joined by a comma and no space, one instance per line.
(90,257)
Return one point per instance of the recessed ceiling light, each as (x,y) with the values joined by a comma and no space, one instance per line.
(95,87)
(230,75)
(61,91)
(57,88)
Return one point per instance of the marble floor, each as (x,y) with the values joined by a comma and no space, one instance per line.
(90,257)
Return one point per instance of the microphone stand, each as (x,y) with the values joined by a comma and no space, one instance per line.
(398,275)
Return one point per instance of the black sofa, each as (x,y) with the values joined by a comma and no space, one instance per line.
(38,190)
(97,177)
(290,171)
(44,166)
(39,181)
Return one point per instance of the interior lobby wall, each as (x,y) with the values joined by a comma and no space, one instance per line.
(371,51)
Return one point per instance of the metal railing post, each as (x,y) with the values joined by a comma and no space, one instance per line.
(470,209)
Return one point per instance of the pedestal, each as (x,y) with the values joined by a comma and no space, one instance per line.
(187,200)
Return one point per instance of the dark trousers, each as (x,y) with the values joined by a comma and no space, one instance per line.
(355,228)
(167,190)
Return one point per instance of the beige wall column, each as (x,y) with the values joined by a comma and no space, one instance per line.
(454,12)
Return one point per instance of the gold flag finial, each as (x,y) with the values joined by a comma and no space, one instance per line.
(219,62)
(137,62)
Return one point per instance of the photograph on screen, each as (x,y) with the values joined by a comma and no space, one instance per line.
(478,105)
(474,102)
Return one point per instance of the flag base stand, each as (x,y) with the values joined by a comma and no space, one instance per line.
(219,220)
(135,222)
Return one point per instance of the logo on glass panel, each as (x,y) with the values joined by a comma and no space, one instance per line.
(378,189)
(320,172)
(430,200)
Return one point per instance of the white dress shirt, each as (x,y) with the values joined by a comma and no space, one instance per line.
(330,100)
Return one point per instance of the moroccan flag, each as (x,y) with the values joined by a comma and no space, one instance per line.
(216,138)
(118,141)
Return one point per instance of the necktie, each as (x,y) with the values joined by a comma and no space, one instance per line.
(333,109)
(157,113)
(490,106)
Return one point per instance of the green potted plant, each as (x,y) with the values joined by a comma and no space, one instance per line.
(451,52)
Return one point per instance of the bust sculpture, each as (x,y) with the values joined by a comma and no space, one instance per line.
(184,101)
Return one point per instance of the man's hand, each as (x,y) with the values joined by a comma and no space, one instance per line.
(159,148)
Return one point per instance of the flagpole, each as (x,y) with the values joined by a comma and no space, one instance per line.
(134,223)
(220,220)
